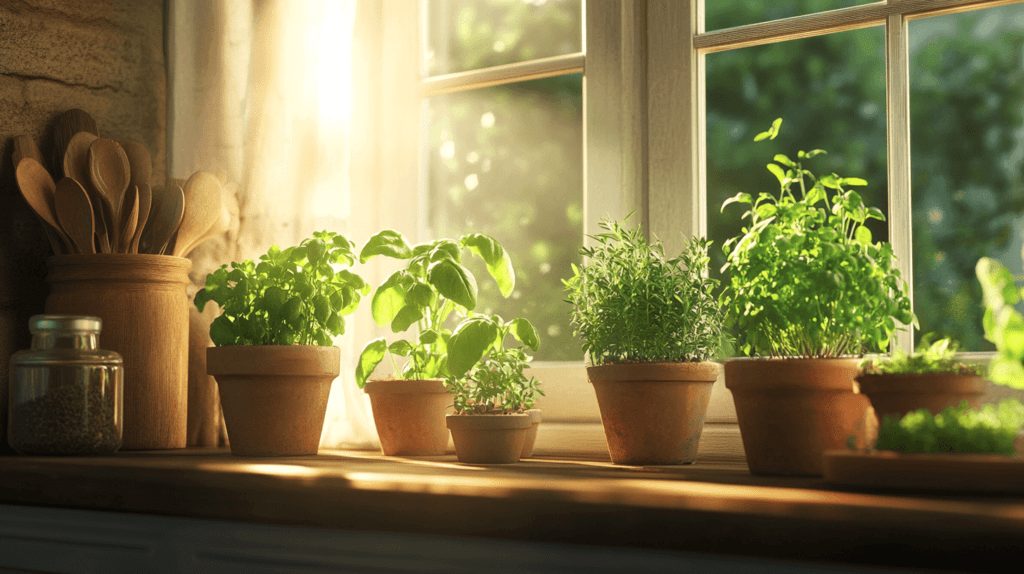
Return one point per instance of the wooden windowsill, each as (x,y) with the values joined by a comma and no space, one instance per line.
(712,506)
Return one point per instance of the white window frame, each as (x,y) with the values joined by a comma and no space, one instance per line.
(644,128)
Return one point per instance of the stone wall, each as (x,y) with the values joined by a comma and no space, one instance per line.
(103,56)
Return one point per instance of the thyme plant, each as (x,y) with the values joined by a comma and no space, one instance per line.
(806,279)
(632,304)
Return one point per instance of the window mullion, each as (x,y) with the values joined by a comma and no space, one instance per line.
(897,97)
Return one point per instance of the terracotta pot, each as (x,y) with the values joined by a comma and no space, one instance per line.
(792,410)
(143,302)
(653,413)
(531,433)
(488,439)
(897,395)
(409,415)
(274,397)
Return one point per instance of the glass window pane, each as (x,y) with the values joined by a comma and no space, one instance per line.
(719,14)
(967,162)
(830,92)
(508,161)
(471,34)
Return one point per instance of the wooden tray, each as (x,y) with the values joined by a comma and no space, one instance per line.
(945,472)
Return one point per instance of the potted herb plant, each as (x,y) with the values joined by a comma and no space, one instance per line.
(930,378)
(273,359)
(491,391)
(808,289)
(650,326)
(409,410)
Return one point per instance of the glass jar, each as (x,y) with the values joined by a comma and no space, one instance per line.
(65,392)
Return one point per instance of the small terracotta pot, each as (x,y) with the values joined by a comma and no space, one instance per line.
(653,413)
(531,434)
(274,397)
(792,410)
(488,439)
(409,416)
(897,395)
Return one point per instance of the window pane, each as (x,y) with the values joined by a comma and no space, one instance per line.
(967,131)
(471,34)
(830,92)
(719,14)
(508,161)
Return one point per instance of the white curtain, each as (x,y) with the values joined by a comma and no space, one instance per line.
(261,94)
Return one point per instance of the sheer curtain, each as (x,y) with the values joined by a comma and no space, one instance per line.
(261,94)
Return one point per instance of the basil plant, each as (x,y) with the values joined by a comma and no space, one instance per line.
(806,279)
(295,296)
(433,285)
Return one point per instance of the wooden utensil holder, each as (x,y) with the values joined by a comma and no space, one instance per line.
(143,303)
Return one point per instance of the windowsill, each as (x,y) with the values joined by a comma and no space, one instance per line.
(713,506)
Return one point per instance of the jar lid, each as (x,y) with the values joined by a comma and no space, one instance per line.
(64,323)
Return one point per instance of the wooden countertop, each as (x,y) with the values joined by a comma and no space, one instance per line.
(713,506)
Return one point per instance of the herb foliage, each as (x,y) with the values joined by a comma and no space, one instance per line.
(485,376)
(992,429)
(805,277)
(929,357)
(1003,324)
(297,296)
(632,304)
(433,285)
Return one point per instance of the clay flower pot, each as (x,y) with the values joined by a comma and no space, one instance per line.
(274,397)
(488,439)
(792,410)
(409,415)
(531,433)
(653,413)
(897,395)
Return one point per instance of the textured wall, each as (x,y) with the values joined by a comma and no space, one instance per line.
(103,56)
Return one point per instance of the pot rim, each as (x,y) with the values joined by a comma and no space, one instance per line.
(788,375)
(669,372)
(405,386)
(488,422)
(255,360)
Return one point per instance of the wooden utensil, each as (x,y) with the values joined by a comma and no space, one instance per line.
(202,210)
(25,146)
(74,212)
(145,202)
(139,161)
(38,189)
(165,221)
(66,126)
(76,166)
(109,171)
(129,218)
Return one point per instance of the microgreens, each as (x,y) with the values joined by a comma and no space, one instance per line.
(956,429)
(484,376)
(433,285)
(937,357)
(631,304)
(806,278)
(297,296)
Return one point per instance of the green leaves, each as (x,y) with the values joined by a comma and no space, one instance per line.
(991,429)
(806,278)
(388,243)
(293,296)
(499,264)
(454,282)
(1003,324)
(771,132)
(631,303)
(483,374)
(372,355)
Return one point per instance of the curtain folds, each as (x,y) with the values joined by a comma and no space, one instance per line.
(261,95)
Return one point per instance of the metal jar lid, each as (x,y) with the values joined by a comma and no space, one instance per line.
(64,324)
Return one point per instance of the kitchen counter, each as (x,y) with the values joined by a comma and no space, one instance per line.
(714,506)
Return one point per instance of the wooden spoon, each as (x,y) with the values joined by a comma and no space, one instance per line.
(66,126)
(202,210)
(25,146)
(144,203)
(165,221)
(129,218)
(139,161)
(38,189)
(76,166)
(74,212)
(109,171)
